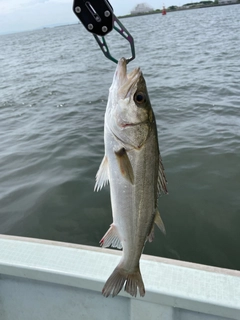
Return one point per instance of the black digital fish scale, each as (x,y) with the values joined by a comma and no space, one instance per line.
(95,15)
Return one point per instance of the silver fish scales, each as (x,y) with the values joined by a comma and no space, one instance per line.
(133,167)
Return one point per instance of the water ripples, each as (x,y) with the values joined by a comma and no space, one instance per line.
(52,104)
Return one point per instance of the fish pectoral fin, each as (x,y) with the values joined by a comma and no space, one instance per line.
(125,165)
(102,175)
(111,238)
(162,181)
(158,221)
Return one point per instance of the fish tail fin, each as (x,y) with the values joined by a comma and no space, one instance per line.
(119,277)
(134,281)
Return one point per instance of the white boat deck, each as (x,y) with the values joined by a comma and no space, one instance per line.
(45,280)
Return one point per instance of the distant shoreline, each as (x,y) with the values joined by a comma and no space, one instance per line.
(158,11)
(174,10)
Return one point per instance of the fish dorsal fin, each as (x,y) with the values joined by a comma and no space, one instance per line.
(125,165)
(111,238)
(158,221)
(102,175)
(162,181)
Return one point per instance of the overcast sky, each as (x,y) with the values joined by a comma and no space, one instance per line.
(20,15)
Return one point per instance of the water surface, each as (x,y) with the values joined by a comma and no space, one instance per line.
(53,96)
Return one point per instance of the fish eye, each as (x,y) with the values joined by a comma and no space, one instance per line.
(139,97)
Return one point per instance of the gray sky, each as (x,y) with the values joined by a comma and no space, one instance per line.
(20,15)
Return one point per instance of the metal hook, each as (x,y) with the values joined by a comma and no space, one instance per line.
(98,18)
(119,27)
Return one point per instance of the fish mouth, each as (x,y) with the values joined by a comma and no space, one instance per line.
(121,70)
(127,83)
(126,124)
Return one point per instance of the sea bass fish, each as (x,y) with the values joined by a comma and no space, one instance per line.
(133,167)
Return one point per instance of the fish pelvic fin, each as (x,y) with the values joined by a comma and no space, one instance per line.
(119,277)
(111,238)
(125,165)
(102,175)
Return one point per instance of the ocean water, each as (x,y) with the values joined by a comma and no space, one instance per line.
(53,93)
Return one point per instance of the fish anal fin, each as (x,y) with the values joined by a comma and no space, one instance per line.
(150,237)
(125,165)
(132,280)
(158,221)
(102,175)
(111,238)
